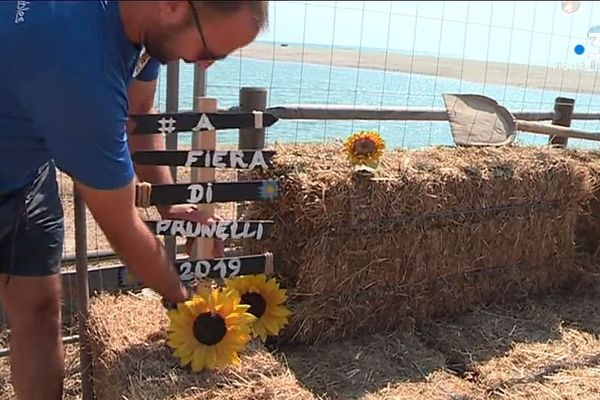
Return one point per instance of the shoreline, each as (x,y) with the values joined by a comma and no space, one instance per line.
(519,75)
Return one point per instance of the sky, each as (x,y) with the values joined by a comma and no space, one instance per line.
(528,32)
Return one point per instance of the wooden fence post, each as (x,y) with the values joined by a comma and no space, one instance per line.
(563,112)
(83,294)
(252,99)
(204,140)
(172,105)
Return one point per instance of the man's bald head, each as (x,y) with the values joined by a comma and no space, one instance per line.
(194,31)
(258,9)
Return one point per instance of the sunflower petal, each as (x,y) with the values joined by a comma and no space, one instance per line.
(279,311)
(211,357)
(235,319)
(198,359)
(271,325)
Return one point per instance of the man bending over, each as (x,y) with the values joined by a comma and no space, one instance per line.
(64,74)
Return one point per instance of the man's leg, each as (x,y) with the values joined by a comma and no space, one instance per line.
(30,290)
(36,353)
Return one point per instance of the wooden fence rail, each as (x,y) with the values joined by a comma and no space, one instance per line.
(350,112)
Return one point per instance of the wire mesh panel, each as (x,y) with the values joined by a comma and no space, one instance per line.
(407,54)
(376,54)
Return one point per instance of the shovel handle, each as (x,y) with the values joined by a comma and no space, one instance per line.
(555,130)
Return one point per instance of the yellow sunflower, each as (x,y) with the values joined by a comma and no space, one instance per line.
(364,148)
(210,329)
(265,299)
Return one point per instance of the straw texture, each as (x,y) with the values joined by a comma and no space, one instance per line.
(428,233)
(132,360)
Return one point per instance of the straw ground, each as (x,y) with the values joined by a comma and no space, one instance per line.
(545,347)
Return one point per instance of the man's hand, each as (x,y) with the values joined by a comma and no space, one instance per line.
(171,305)
(138,248)
(190,212)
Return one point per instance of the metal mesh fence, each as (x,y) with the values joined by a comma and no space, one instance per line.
(406,54)
(386,54)
(393,54)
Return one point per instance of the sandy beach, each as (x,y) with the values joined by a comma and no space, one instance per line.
(552,77)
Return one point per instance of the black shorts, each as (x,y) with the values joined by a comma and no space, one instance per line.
(31,227)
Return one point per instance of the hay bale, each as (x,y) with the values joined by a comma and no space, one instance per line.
(131,360)
(588,226)
(433,232)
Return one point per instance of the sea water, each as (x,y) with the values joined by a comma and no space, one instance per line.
(296,82)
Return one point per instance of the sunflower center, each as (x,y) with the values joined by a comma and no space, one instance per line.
(209,328)
(364,146)
(257,303)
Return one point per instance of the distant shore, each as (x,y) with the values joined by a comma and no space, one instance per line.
(534,77)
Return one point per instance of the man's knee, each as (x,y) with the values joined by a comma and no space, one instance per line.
(43,316)
(33,303)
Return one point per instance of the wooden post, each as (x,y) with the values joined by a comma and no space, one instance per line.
(199,82)
(204,140)
(172,105)
(252,99)
(85,355)
(563,112)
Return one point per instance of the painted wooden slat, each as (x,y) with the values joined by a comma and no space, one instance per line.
(167,123)
(238,159)
(221,229)
(220,192)
(221,268)
(217,268)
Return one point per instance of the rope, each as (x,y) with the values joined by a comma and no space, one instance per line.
(441,219)
(142,194)
(268,264)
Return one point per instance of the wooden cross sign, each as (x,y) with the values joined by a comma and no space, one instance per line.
(203,190)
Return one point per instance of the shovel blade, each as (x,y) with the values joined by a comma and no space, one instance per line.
(477,120)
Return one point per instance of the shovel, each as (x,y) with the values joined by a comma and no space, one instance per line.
(477,120)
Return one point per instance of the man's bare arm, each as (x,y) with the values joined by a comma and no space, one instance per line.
(141,101)
(115,212)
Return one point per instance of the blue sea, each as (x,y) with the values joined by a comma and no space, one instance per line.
(293,82)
